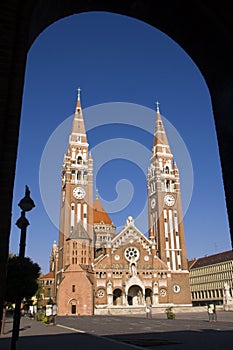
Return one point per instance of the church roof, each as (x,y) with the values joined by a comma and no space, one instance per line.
(99,213)
(78,232)
(47,275)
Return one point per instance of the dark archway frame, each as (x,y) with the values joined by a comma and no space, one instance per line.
(204,29)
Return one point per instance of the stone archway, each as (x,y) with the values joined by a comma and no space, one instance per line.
(72,307)
(23,22)
(117,297)
(135,295)
(148,296)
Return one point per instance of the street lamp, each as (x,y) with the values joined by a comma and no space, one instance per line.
(26,204)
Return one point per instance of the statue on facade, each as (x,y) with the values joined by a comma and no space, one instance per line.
(133,269)
(109,287)
(155,293)
(140,297)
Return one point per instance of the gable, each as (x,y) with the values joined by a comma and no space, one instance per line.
(131,235)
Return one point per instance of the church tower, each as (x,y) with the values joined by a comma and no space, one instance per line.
(166,227)
(76,239)
(98,269)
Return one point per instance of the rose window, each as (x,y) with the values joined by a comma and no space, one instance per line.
(132,254)
(100,293)
(163,292)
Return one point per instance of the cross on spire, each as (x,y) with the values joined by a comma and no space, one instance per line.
(97,194)
(157,106)
(79,90)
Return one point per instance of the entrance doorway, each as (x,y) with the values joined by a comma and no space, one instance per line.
(148,296)
(73,309)
(117,297)
(135,296)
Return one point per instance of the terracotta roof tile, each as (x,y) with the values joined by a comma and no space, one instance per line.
(48,275)
(99,213)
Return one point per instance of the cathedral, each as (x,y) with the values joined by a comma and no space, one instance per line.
(100,271)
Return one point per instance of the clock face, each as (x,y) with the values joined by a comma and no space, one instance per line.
(152,203)
(79,192)
(169,200)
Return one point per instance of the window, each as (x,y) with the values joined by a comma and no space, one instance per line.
(132,254)
(73,288)
(48,294)
(73,309)
(100,293)
(166,170)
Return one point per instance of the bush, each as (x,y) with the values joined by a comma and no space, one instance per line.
(45,319)
(48,319)
(170,314)
(40,315)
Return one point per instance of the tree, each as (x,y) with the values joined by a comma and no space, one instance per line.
(22,275)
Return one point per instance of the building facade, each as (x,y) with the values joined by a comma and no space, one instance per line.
(211,279)
(47,282)
(99,269)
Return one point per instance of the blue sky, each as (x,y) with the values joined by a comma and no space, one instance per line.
(119,62)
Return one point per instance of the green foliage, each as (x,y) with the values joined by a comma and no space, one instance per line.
(22,275)
(170,314)
(40,315)
(45,319)
(48,319)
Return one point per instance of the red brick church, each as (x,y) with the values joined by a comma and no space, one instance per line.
(98,270)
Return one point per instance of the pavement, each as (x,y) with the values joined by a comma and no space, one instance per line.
(188,331)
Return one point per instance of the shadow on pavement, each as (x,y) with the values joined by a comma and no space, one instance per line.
(204,339)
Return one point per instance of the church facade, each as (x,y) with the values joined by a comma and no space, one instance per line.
(97,269)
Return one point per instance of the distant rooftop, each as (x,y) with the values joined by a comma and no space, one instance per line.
(211,259)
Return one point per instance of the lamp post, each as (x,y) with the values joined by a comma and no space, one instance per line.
(26,204)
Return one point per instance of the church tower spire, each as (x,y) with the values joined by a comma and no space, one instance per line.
(160,137)
(77,185)
(166,228)
(76,235)
(78,132)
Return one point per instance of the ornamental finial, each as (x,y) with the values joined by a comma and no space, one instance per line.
(79,90)
(157,106)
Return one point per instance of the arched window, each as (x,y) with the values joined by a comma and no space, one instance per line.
(166,170)
(79,160)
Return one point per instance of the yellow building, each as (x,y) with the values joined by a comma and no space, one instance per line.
(211,278)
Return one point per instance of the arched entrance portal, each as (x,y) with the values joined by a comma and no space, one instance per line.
(148,296)
(135,296)
(117,297)
(73,307)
